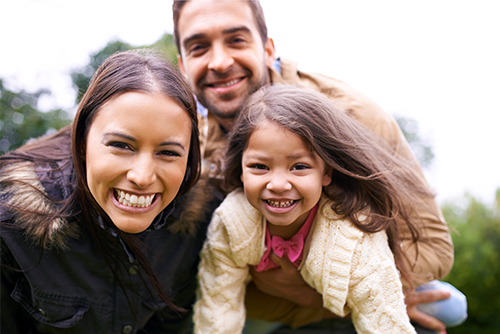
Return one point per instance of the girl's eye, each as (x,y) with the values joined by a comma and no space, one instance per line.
(300,167)
(259,166)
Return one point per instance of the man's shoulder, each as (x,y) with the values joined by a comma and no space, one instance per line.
(357,105)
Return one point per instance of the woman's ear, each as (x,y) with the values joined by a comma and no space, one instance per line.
(327,176)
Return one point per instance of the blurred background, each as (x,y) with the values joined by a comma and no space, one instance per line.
(434,65)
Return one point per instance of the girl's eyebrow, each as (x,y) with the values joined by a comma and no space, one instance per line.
(265,157)
(298,156)
(127,137)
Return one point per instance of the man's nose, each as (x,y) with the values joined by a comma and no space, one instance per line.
(220,59)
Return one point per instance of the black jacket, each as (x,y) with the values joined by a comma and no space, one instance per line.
(70,288)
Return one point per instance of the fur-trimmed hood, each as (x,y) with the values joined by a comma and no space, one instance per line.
(24,198)
(28,194)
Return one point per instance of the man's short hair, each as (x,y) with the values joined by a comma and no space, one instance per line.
(257,11)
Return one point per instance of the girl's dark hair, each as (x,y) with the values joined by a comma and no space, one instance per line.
(136,70)
(366,176)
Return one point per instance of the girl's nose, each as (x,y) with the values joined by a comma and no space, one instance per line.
(279,183)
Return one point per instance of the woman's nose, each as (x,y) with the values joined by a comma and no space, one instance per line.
(142,172)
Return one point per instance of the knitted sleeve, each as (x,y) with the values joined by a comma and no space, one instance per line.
(220,295)
(375,295)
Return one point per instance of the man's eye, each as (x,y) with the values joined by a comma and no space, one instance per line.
(197,49)
(237,40)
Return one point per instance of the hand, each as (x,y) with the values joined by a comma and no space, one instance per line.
(428,296)
(286,282)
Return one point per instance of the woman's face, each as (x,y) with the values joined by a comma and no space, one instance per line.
(137,152)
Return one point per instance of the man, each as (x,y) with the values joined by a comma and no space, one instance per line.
(226,55)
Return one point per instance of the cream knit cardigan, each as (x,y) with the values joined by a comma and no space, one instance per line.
(354,271)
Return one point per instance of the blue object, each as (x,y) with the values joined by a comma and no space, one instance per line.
(452,311)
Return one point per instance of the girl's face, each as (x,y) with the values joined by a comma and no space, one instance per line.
(137,151)
(282,177)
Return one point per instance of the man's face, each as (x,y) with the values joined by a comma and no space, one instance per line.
(222,55)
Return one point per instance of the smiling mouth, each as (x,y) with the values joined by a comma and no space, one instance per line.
(133,200)
(281,204)
(225,84)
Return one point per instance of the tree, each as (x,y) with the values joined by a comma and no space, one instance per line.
(81,77)
(475,230)
(20,120)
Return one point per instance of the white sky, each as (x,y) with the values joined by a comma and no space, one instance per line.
(435,61)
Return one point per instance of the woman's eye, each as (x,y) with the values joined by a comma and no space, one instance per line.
(168,153)
(120,145)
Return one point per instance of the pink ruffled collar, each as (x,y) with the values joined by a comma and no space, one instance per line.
(292,248)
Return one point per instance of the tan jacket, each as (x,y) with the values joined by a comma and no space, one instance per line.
(434,259)
(354,271)
(435,249)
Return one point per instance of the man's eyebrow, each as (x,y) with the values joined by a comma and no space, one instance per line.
(228,31)
(191,38)
(236,29)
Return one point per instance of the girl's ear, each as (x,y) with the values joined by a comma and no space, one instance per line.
(327,176)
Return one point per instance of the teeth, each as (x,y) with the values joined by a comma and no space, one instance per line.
(227,84)
(278,204)
(134,200)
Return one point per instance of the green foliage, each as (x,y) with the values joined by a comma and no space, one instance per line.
(476,271)
(20,120)
(420,147)
(81,77)
(167,46)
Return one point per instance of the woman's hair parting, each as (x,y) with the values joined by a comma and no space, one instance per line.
(136,70)
(366,176)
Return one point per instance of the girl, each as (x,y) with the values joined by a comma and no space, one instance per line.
(89,244)
(313,185)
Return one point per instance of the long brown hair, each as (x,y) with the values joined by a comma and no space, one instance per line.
(366,175)
(136,70)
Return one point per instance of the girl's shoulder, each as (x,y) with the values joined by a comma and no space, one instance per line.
(331,220)
(236,204)
(238,218)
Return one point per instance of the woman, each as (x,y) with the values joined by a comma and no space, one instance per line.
(89,239)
